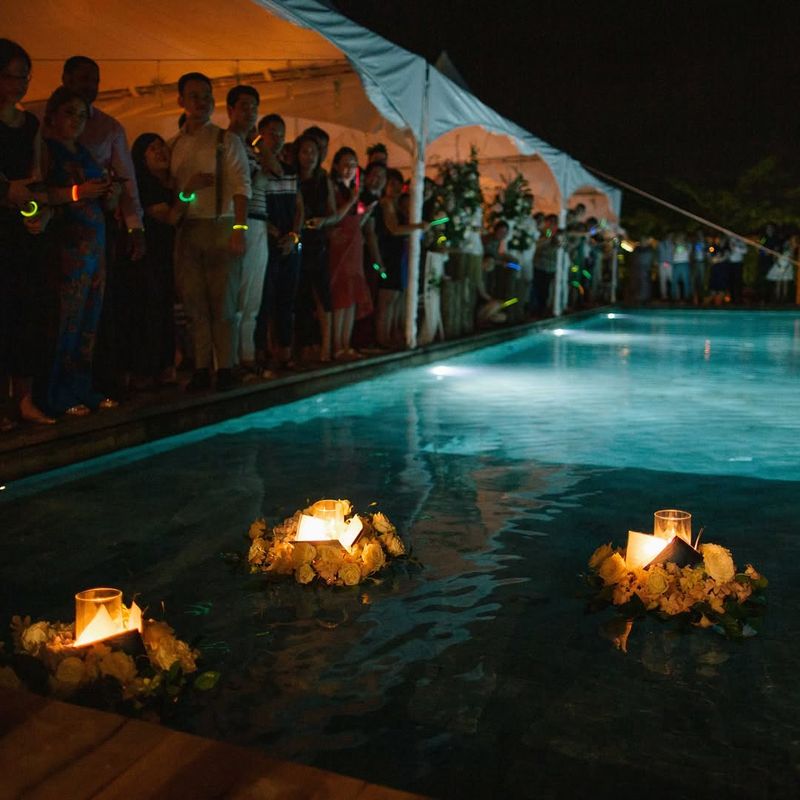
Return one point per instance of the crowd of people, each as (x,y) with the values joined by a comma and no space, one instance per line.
(710,269)
(233,254)
(259,249)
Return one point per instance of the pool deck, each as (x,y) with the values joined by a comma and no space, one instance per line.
(170,411)
(50,749)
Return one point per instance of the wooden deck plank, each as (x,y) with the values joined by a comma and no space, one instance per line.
(51,750)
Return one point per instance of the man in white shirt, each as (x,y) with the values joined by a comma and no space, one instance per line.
(242,103)
(211,240)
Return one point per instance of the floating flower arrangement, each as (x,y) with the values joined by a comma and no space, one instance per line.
(325,541)
(666,576)
(136,662)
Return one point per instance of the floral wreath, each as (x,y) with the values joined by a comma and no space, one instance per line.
(280,553)
(710,594)
(47,660)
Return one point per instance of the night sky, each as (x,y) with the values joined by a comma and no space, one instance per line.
(647,91)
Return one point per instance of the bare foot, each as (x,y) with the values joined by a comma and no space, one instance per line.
(32,413)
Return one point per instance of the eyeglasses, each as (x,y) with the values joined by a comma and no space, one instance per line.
(11,77)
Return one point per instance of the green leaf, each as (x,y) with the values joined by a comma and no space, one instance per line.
(206,680)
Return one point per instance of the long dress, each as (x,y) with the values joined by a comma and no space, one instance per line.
(25,304)
(346,261)
(80,242)
(147,317)
(314,279)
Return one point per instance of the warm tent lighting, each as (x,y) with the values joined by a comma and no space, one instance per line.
(642,549)
(98,616)
(670,522)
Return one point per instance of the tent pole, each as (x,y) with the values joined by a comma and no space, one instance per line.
(614,272)
(415,212)
(559,289)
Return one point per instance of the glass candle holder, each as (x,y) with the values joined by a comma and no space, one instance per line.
(671,522)
(99,611)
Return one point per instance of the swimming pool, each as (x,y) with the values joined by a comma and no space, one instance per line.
(477,673)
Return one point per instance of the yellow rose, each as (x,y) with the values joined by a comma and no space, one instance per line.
(34,637)
(304,553)
(304,573)
(600,555)
(281,557)
(71,670)
(718,562)
(163,649)
(258,551)
(613,569)
(393,544)
(118,665)
(381,523)
(258,529)
(372,558)
(657,582)
(350,574)
(328,561)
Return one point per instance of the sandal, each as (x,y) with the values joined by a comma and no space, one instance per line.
(79,410)
(108,402)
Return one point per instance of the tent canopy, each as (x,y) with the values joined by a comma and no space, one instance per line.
(309,63)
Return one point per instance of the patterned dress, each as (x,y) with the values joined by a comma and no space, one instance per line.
(80,247)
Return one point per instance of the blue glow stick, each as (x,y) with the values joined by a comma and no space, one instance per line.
(512,265)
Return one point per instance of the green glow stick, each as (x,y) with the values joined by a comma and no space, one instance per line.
(441,221)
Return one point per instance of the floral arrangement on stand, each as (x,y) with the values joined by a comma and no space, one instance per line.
(279,552)
(460,196)
(708,594)
(148,671)
(514,205)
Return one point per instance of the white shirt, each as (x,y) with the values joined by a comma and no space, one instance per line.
(197,152)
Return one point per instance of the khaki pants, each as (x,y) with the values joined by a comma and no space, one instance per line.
(208,277)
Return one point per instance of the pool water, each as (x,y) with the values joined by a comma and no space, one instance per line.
(475,672)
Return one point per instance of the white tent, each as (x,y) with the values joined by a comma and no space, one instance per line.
(311,64)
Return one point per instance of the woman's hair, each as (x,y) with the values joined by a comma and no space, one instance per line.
(305,138)
(11,51)
(393,174)
(139,148)
(144,178)
(341,153)
(60,97)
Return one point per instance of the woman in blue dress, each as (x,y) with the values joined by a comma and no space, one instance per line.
(79,232)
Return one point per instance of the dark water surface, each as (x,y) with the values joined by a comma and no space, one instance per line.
(477,674)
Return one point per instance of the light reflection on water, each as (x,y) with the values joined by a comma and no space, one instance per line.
(504,469)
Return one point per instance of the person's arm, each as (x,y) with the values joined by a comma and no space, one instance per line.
(129,203)
(237,172)
(299,212)
(291,240)
(345,205)
(395,227)
(371,240)
(330,217)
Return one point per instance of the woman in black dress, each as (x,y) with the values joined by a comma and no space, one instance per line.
(314,293)
(151,281)
(26,305)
